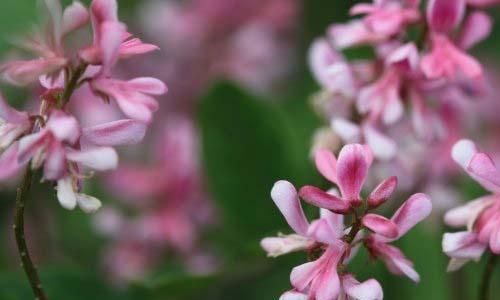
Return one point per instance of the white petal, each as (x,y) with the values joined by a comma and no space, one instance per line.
(88,203)
(101,159)
(65,193)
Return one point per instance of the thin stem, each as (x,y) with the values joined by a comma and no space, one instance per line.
(72,84)
(486,280)
(26,263)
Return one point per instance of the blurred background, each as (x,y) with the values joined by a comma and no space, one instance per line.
(183,216)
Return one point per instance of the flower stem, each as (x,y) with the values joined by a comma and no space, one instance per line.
(486,280)
(72,84)
(26,263)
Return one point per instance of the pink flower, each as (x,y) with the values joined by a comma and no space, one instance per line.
(481,216)
(483,3)
(354,33)
(414,210)
(330,69)
(110,36)
(349,288)
(13,124)
(477,27)
(386,18)
(445,15)
(133,96)
(348,172)
(447,61)
(383,147)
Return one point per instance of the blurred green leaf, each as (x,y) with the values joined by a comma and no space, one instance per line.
(245,151)
(60,284)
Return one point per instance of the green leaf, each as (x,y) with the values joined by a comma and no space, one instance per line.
(60,284)
(245,150)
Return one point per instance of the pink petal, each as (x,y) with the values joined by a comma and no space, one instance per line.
(406,268)
(135,47)
(484,170)
(477,27)
(348,131)
(382,192)
(148,85)
(22,73)
(64,127)
(285,197)
(55,161)
(111,39)
(368,290)
(463,151)
(463,245)
(74,17)
(319,198)
(100,159)
(483,3)
(302,275)
(102,11)
(292,295)
(326,164)
(405,57)
(335,221)
(380,225)
(144,178)
(321,231)
(414,210)
(29,145)
(328,285)
(445,15)
(116,133)
(383,147)
(467,214)
(495,239)
(351,171)
(9,165)
(11,115)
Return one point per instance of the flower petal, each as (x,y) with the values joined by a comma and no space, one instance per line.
(64,127)
(414,210)
(467,214)
(483,169)
(382,192)
(321,231)
(9,165)
(380,225)
(148,85)
(463,245)
(293,295)
(54,167)
(111,39)
(445,15)
(477,27)
(352,168)
(383,147)
(29,145)
(368,290)
(463,151)
(11,115)
(326,164)
(116,133)
(319,198)
(75,16)
(100,159)
(65,193)
(88,203)
(276,246)
(285,197)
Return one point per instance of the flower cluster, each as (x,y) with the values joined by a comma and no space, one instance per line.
(481,216)
(249,42)
(419,65)
(327,278)
(52,138)
(169,202)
